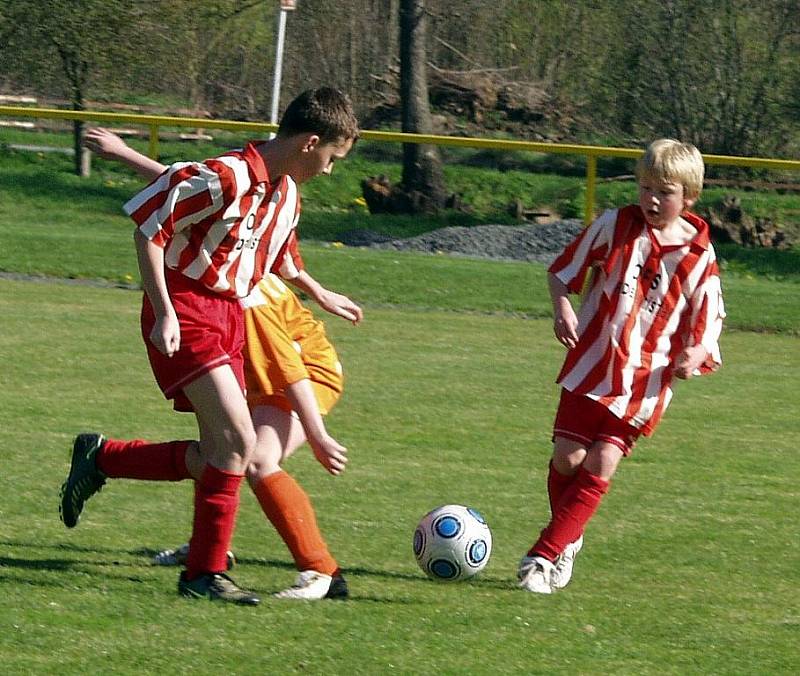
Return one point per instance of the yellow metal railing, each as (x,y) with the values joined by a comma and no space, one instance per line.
(591,153)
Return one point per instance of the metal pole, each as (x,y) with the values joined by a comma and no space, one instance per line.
(276,82)
(591,180)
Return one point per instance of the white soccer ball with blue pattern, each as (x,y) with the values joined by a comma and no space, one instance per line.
(452,543)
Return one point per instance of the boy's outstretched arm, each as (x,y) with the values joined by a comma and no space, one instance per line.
(330,453)
(565,321)
(330,301)
(111,147)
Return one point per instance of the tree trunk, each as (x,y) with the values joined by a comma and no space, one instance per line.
(422,167)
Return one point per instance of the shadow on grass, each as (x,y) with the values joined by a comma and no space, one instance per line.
(61,565)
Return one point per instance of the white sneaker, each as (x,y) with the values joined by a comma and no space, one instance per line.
(564,563)
(314,586)
(177,557)
(535,574)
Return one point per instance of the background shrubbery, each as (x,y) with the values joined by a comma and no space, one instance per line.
(720,73)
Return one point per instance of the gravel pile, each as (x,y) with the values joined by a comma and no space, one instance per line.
(540,243)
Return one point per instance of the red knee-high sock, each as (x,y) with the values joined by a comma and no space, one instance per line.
(216,501)
(139,459)
(557,484)
(577,505)
(289,509)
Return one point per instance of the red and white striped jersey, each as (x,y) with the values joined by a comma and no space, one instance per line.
(222,222)
(645,304)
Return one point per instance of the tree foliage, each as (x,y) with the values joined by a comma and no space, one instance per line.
(722,73)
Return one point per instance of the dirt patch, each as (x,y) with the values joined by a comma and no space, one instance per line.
(541,242)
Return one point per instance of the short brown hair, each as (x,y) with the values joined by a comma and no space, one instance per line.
(324,111)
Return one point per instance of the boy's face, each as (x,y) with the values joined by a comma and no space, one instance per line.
(662,201)
(318,157)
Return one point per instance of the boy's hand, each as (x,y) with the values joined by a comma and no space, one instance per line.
(688,361)
(565,324)
(341,306)
(104,143)
(330,454)
(166,335)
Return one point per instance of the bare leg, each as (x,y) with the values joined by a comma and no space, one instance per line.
(279,434)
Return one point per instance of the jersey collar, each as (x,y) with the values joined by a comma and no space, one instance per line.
(702,240)
(256,162)
(699,243)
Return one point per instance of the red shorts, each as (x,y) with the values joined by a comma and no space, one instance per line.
(586,421)
(212,335)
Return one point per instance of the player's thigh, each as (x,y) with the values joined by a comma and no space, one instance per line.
(226,429)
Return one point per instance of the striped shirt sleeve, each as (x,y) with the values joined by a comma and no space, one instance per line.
(185,194)
(587,249)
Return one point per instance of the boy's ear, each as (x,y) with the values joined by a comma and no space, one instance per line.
(688,203)
(310,142)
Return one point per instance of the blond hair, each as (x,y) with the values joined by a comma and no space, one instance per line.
(674,162)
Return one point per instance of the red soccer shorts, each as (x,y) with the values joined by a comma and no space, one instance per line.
(586,421)
(212,335)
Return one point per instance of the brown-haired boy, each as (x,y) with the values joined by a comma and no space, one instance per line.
(206,234)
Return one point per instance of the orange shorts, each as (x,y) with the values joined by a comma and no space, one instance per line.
(285,344)
(212,335)
(587,421)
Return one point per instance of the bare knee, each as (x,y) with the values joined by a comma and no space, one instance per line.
(267,456)
(603,459)
(230,449)
(243,443)
(568,455)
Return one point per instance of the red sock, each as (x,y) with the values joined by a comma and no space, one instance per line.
(216,500)
(578,504)
(289,509)
(557,484)
(139,459)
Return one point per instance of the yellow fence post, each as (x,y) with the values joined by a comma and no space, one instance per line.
(153,151)
(591,179)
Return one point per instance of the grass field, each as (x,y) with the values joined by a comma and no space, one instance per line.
(692,564)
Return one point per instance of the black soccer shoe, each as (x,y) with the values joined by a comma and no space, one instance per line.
(83,480)
(216,587)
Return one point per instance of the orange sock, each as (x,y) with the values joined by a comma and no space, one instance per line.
(289,509)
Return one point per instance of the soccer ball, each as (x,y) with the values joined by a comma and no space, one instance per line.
(452,542)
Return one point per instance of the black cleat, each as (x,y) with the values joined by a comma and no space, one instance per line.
(216,587)
(83,480)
